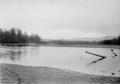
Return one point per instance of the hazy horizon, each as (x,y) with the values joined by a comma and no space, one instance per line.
(62,19)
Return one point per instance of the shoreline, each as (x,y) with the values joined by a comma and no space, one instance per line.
(66,45)
(86,46)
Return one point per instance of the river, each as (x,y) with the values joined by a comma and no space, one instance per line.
(67,58)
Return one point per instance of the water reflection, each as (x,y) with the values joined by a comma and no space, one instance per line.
(11,53)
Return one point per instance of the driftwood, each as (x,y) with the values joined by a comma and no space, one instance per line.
(101,57)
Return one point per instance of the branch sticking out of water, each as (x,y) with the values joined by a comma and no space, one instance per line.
(113,53)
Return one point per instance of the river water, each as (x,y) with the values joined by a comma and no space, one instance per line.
(67,58)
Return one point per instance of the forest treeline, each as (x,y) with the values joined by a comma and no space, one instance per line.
(114,41)
(16,36)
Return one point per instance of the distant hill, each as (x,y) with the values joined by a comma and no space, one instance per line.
(96,39)
(86,39)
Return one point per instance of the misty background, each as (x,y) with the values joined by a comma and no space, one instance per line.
(62,19)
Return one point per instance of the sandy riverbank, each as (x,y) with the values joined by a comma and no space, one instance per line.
(19,74)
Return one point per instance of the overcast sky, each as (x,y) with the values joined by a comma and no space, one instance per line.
(62,18)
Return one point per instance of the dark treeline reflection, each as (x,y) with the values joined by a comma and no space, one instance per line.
(12,53)
(17,36)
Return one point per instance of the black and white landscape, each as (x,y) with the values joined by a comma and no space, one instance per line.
(59,42)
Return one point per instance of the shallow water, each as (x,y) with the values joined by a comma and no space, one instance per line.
(71,58)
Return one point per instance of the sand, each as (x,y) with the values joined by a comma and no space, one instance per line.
(19,74)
